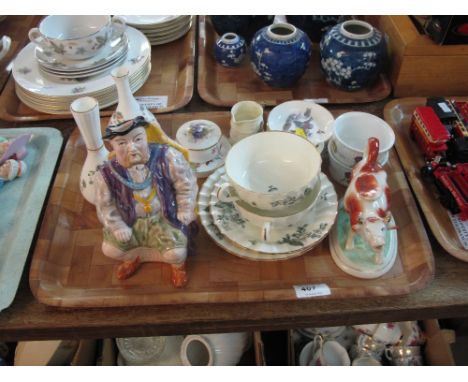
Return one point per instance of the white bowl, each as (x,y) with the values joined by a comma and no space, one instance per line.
(271,171)
(333,148)
(304,118)
(352,131)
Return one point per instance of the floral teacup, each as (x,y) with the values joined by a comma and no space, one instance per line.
(271,171)
(76,37)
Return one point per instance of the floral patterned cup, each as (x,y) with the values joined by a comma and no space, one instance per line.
(271,171)
(76,37)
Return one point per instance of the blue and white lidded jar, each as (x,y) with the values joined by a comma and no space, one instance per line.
(352,54)
(280,54)
(230,49)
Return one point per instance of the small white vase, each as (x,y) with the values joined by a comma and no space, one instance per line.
(85,110)
(224,349)
(127,108)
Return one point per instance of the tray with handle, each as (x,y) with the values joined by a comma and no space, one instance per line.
(172,75)
(223,86)
(398,114)
(21,202)
(69,270)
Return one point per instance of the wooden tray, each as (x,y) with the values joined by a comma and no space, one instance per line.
(398,114)
(15,27)
(69,270)
(21,204)
(172,75)
(223,86)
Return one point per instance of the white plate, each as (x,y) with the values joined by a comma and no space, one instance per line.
(306,233)
(105,100)
(92,72)
(203,170)
(166,31)
(219,238)
(303,118)
(165,28)
(56,62)
(165,40)
(79,89)
(149,20)
(27,74)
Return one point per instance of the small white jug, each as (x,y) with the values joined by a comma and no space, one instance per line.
(246,119)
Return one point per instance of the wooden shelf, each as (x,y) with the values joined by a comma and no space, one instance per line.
(445,297)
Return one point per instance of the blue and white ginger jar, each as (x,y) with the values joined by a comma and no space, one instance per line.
(280,54)
(230,49)
(353,54)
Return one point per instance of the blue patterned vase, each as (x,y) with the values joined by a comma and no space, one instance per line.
(230,49)
(280,54)
(352,54)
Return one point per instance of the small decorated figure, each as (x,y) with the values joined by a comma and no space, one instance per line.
(11,153)
(364,241)
(145,198)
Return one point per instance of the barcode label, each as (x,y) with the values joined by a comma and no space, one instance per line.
(312,290)
(317,100)
(153,102)
(462,229)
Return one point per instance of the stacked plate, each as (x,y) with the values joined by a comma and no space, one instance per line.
(60,67)
(50,85)
(242,238)
(160,29)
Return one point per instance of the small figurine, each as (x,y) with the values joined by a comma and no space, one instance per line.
(145,198)
(11,153)
(364,241)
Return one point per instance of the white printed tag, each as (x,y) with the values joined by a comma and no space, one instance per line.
(444,107)
(317,100)
(312,290)
(202,30)
(462,229)
(153,102)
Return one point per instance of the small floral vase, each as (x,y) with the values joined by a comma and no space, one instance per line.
(352,54)
(280,54)
(230,49)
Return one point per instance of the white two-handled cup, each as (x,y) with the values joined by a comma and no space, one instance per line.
(77,37)
(271,171)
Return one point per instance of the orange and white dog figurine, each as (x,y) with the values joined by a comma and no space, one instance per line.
(367,201)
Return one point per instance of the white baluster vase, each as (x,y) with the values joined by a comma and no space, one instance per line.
(223,349)
(128,107)
(85,110)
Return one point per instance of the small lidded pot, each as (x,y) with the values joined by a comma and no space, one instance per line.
(230,49)
(202,139)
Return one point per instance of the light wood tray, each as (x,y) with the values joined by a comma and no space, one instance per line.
(69,270)
(223,86)
(15,27)
(172,74)
(398,114)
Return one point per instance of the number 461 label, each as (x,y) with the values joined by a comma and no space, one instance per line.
(312,290)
